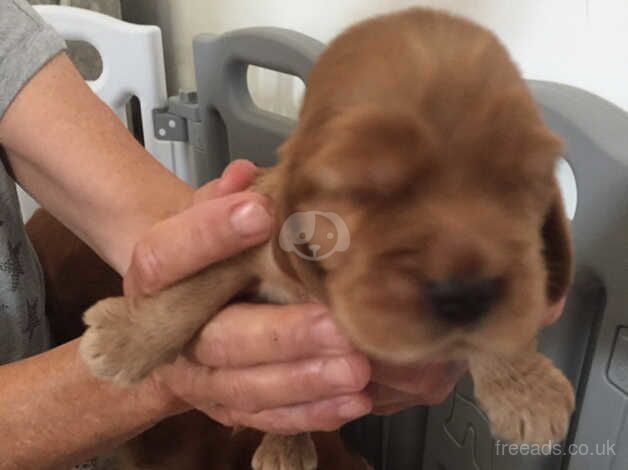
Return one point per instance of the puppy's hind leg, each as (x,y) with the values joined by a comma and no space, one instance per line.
(128,337)
(284,452)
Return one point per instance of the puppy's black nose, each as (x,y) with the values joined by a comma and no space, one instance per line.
(462,300)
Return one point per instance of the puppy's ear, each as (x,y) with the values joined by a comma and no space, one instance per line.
(304,271)
(557,249)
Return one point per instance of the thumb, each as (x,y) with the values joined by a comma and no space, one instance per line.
(205,233)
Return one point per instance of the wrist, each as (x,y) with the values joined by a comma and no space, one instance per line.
(142,404)
(120,249)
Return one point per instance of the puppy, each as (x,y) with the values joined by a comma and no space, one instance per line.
(420,146)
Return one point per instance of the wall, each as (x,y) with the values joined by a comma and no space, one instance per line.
(579,42)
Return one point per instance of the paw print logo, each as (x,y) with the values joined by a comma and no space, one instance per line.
(314,235)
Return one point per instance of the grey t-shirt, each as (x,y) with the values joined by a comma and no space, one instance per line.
(23,326)
(26,44)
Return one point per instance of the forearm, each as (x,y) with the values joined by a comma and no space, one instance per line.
(76,158)
(53,414)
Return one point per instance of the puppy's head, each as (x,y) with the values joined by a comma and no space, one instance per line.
(427,216)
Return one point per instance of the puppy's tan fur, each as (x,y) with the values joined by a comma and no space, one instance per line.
(418,131)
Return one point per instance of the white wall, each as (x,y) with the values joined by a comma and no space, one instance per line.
(579,42)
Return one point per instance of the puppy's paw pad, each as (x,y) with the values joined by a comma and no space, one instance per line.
(532,425)
(285,453)
(535,407)
(112,347)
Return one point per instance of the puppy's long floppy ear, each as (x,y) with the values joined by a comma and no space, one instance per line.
(557,249)
(296,268)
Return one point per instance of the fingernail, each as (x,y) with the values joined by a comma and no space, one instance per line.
(249,219)
(325,333)
(338,373)
(352,409)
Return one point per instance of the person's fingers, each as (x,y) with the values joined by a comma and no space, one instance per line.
(244,335)
(189,241)
(396,408)
(430,382)
(383,396)
(269,386)
(238,176)
(388,400)
(325,415)
(553,313)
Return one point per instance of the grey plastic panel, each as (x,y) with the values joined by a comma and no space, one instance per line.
(588,343)
(596,133)
(618,368)
(235,127)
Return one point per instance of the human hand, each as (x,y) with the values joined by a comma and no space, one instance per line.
(283,369)
(223,220)
(394,388)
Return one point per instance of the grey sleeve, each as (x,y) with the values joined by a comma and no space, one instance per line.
(27,43)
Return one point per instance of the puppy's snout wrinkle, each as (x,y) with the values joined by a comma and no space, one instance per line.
(463,300)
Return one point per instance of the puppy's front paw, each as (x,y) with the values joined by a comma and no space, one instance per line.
(116,348)
(285,453)
(531,402)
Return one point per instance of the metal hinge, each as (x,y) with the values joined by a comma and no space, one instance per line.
(180,121)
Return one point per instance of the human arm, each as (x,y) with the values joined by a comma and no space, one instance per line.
(75,157)
(54,414)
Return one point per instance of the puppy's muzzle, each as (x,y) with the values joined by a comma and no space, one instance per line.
(462,301)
